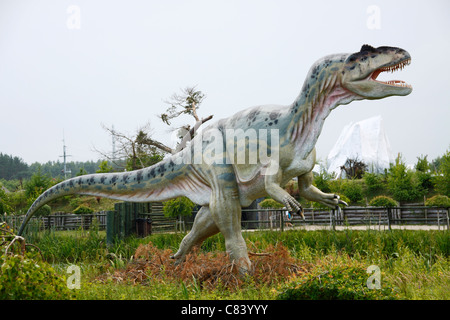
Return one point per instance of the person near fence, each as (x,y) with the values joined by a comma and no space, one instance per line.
(288,217)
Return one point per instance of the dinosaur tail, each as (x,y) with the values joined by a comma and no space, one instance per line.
(160,182)
(110,186)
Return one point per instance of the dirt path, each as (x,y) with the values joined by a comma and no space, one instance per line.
(373,227)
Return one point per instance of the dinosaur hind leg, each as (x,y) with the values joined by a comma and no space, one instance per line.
(226,212)
(203,227)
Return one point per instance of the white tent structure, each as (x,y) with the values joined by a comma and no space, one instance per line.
(365,141)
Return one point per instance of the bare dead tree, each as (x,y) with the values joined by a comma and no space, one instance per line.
(134,151)
(188,102)
(137,148)
(354,168)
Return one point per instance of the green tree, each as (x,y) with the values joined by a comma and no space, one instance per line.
(181,206)
(12,167)
(144,154)
(374,183)
(104,167)
(81,172)
(442,180)
(402,184)
(38,183)
(423,173)
(322,181)
(4,202)
(353,190)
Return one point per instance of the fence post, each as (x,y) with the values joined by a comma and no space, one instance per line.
(121,222)
(282,220)
(332,220)
(389,217)
(112,226)
(448,223)
(439,219)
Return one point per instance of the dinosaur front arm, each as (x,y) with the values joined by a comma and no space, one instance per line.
(307,190)
(276,192)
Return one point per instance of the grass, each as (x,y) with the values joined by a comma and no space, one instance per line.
(414,264)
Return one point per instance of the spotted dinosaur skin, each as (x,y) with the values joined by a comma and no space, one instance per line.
(224,186)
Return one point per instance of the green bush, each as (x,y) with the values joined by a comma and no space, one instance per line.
(75,202)
(353,190)
(82,209)
(181,206)
(336,280)
(4,202)
(423,173)
(317,205)
(17,201)
(438,201)
(383,201)
(374,183)
(43,211)
(442,180)
(402,183)
(270,204)
(322,181)
(37,184)
(27,278)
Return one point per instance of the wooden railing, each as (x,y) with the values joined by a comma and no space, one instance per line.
(123,220)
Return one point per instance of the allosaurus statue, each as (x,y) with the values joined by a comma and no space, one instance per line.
(222,186)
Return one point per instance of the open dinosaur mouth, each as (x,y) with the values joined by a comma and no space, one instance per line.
(396,83)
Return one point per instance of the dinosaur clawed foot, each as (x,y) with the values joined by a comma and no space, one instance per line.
(339,201)
(293,205)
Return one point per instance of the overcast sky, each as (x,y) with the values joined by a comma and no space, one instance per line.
(71,66)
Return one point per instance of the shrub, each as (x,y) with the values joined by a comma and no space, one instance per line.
(271,204)
(24,277)
(331,280)
(352,190)
(402,183)
(438,201)
(322,181)
(317,205)
(383,201)
(4,203)
(17,201)
(37,184)
(75,202)
(45,210)
(442,180)
(82,209)
(181,206)
(373,182)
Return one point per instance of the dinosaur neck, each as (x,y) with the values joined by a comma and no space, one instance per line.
(311,108)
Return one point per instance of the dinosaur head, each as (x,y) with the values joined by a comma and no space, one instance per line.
(362,68)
